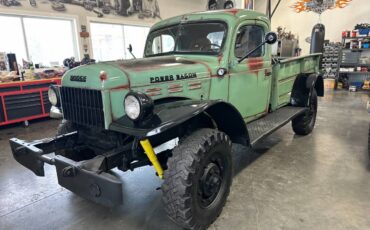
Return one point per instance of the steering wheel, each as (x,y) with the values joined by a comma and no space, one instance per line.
(217,45)
(209,46)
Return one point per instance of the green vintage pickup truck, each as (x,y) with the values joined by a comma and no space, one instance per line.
(207,80)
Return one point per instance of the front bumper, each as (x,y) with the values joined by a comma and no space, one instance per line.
(85,178)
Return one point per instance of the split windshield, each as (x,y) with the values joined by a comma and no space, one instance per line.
(196,38)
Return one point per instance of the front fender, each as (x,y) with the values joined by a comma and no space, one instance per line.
(172,114)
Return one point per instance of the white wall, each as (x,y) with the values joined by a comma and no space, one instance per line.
(168,8)
(335,20)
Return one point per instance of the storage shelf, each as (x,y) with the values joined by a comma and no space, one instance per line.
(354,64)
(362,49)
(357,37)
(354,72)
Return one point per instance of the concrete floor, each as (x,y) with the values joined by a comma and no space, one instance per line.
(320,181)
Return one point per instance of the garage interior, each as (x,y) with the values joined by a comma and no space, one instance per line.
(286,181)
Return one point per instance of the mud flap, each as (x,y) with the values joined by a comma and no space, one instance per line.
(102,188)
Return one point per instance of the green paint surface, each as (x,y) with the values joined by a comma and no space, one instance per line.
(246,85)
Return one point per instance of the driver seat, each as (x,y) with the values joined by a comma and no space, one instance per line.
(200,44)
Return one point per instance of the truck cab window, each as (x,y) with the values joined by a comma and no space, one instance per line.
(193,38)
(163,44)
(247,39)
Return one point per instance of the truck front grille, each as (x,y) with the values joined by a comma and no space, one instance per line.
(83,106)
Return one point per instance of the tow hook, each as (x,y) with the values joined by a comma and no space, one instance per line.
(69,171)
(95,190)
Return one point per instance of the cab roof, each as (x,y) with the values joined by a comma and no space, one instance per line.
(230,16)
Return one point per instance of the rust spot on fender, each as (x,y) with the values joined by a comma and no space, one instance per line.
(232,11)
(206,65)
(154,94)
(174,86)
(194,83)
(219,59)
(152,63)
(120,87)
(153,90)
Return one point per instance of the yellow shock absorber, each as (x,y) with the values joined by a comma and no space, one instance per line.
(149,151)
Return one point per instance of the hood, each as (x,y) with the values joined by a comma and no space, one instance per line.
(139,72)
(88,76)
(147,71)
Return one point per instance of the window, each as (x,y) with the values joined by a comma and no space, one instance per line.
(201,38)
(247,39)
(40,40)
(162,41)
(110,41)
(13,42)
(107,42)
(136,36)
(49,41)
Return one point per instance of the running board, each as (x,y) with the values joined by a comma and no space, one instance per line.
(264,126)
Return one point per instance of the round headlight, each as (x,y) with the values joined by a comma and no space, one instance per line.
(138,106)
(132,107)
(53,97)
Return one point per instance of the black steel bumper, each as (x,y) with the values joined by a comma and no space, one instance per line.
(83,178)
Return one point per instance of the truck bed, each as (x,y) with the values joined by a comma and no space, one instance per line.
(285,72)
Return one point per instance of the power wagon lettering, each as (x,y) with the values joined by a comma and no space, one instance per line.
(172,77)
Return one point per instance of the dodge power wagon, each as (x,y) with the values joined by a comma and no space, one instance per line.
(207,80)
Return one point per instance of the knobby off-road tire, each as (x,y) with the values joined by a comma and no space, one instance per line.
(198,179)
(304,124)
(64,128)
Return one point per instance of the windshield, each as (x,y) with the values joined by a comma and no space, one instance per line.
(200,38)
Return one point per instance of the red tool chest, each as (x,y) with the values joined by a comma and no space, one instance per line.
(25,100)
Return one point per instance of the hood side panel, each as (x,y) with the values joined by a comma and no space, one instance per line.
(91,74)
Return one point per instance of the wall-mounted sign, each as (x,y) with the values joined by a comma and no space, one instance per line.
(318,6)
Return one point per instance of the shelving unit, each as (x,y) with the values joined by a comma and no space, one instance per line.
(354,66)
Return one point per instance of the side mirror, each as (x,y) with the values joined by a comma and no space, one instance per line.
(130,50)
(271,38)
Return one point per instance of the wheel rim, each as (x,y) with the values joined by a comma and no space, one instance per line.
(211,181)
(311,114)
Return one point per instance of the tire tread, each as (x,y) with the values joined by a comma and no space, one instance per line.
(181,169)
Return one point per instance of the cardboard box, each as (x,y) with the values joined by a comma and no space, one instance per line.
(329,83)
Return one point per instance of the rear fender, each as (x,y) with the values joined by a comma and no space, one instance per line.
(316,81)
(303,86)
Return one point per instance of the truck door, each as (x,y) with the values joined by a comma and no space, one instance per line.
(250,80)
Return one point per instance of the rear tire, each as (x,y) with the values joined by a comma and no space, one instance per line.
(304,124)
(198,179)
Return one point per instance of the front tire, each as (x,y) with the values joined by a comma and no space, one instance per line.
(198,179)
(304,124)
